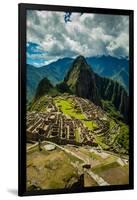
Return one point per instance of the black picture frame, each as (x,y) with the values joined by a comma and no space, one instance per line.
(22,97)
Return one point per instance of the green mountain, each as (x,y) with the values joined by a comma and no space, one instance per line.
(54,71)
(122,77)
(83,82)
(33,77)
(115,93)
(109,66)
(105,66)
(45,88)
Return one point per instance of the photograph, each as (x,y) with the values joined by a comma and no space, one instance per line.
(78,123)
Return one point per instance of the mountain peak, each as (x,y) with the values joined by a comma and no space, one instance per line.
(81,80)
(80,58)
(43,88)
(81,61)
(77,67)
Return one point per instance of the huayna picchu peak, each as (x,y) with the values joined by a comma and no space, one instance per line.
(81,80)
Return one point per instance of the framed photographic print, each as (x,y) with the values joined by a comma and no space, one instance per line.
(75,99)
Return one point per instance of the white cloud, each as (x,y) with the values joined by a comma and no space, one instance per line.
(86,34)
(119,46)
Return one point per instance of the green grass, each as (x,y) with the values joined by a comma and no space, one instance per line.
(91,125)
(106,163)
(77,136)
(39,105)
(113,173)
(95,156)
(100,142)
(111,123)
(67,107)
(123,137)
(111,110)
(51,171)
(103,167)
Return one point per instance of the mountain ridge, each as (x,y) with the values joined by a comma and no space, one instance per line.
(82,81)
(105,66)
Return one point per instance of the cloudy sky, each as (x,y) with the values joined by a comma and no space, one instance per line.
(54,35)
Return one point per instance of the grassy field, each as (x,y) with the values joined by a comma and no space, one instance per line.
(113,173)
(46,170)
(108,168)
(67,107)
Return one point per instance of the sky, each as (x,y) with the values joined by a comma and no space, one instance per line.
(54,35)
